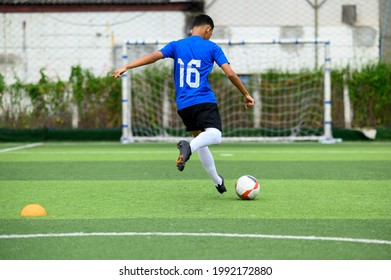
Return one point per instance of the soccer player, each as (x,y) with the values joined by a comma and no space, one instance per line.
(194,58)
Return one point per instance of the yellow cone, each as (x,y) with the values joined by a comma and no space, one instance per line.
(33,210)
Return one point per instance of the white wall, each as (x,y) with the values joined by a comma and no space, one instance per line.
(291,19)
(57,41)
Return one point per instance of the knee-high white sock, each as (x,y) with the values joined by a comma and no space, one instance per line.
(208,162)
(208,137)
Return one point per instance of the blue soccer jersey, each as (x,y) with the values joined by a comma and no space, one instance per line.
(193,61)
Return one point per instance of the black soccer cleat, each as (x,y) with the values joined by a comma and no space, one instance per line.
(184,154)
(221,188)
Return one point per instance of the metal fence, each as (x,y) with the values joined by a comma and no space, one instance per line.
(47,39)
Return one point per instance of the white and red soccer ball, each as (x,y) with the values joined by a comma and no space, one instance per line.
(247,187)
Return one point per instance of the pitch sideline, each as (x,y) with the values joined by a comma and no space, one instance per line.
(21,147)
(181,234)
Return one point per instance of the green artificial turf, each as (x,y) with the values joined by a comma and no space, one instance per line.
(307,189)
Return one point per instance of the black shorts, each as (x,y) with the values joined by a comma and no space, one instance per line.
(201,116)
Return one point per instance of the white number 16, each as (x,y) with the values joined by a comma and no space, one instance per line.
(190,70)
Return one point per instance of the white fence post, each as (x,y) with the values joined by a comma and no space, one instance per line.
(127,136)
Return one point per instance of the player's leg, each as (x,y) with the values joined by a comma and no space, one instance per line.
(186,115)
(210,136)
(207,161)
(206,157)
(209,121)
(184,154)
(204,154)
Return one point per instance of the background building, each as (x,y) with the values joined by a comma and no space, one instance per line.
(54,35)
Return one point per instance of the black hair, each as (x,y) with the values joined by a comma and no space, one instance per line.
(203,20)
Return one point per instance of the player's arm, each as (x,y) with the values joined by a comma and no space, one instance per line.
(235,80)
(144,60)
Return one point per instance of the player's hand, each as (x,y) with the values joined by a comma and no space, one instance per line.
(248,102)
(117,73)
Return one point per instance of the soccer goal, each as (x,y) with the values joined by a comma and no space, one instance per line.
(289,80)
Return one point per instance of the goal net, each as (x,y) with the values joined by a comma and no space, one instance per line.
(289,80)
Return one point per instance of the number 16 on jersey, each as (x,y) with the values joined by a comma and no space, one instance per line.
(192,74)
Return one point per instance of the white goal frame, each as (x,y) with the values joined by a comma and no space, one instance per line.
(327,137)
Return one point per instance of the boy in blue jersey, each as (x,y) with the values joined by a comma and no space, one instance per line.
(197,105)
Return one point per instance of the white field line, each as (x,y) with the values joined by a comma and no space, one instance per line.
(21,147)
(211,234)
(170,151)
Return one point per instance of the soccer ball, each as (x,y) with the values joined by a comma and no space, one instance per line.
(247,187)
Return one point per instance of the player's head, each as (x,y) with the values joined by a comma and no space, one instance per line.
(203,26)
(201,20)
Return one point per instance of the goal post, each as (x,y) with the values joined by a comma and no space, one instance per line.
(327,137)
(127,135)
(293,97)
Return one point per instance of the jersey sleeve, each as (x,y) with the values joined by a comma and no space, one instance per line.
(168,50)
(219,56)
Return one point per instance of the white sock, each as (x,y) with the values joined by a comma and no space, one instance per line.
(210,136)
(208,162)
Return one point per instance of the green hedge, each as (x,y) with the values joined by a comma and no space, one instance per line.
(98,100)
(370,95)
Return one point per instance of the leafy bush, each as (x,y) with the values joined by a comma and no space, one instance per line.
(370,95)
(51,104)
